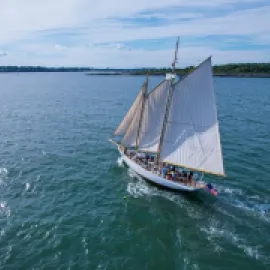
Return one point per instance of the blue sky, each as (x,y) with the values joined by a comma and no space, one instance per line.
(125,33)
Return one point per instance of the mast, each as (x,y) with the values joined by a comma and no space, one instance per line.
(175,55)
(142,111)
(168,102)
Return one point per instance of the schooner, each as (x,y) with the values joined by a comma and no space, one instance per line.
(175,124)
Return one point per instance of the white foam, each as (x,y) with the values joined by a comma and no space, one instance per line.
(2,205)
(141,188)
(3,172)
(215,232)
(120,162)
(3,175)
(133,174)
(27,186)
(231,191)
(138,189)
(255,209)
(4,209)
(84,243)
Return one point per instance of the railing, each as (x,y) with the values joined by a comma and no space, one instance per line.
(151,167)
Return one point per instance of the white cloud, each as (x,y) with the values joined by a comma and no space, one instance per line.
(3,54)
(23,24)
(60,47)
(108,57)
(164,15)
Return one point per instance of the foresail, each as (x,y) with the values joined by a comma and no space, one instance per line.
(153,118)
(126,121)
(192,134)
(130,138)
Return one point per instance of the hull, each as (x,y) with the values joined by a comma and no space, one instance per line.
(155,179)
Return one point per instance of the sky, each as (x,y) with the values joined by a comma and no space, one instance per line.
(133,33)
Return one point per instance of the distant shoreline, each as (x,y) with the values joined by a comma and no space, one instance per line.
(243,70)
(252,75)
(224,75)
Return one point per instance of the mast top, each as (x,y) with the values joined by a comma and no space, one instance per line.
(175,55)
(171,75)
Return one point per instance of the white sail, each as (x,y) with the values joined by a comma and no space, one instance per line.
(192,134)
(130,137)
(126,121)
(153,118)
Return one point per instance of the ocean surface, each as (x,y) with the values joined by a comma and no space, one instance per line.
(67,202)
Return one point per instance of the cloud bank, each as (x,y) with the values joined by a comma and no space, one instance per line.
(125,33)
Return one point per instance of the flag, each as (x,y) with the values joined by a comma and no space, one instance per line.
(210,189)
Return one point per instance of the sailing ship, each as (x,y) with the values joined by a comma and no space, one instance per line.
(173,126)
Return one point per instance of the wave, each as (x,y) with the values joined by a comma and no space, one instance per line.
(3,174)
(228,190)
(4,209)
(214,232)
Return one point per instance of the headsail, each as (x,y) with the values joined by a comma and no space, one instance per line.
(130,138)
(152,118)
(131,135)
(126,121)
(192,134)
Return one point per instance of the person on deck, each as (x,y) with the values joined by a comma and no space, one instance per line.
(185,180)
(190,177)
(164,171)
(173,175)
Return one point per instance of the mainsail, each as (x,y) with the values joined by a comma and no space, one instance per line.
(192,134)
(152,118)
(126,121)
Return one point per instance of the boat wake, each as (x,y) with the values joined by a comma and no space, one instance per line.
(250,205)
(139,188)
(217,233)
(211,216)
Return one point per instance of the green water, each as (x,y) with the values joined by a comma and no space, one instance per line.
(62,187)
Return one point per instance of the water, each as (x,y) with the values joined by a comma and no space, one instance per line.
(63,187)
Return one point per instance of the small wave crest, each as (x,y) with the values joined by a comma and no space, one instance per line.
(213,233)
(27,186)
(4,209)
(3,174)
(120,162)
(250,204)
(138,188)
(227,190)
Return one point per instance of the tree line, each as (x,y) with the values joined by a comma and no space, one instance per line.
(228,69)
(234,69)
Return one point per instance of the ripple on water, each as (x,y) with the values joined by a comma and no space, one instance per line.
(67,201)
